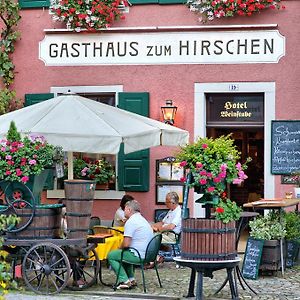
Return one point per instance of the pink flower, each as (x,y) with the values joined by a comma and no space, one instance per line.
(19,172)
(32,162)
(237,181)
(209,175)
(223,167)
(203,173)
(8,157)
(183,179)
(183,163)
(239,166)
(216,180)
(24,179)
(204,146)
(202,181)
(199,165)
(8,172)
(3,149)
(210,189)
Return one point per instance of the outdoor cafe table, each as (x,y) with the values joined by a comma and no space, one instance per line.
(206,268)
(112,241)
(278,204)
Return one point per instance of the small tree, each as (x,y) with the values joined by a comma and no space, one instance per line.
(13,134)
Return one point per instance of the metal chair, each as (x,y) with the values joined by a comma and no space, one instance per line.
(94,220)
(150,256)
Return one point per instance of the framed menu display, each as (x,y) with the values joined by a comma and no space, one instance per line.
(168,175)
(168,170)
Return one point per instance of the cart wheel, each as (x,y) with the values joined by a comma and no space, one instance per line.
(22,209)
(46,269)
(85,269)
(18,191)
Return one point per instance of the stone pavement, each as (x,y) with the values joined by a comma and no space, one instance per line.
(175,285)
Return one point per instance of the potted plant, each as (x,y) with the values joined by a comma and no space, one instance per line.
(271,228)
(87,14)
(212,163)
(23,161)
(211,9)
(292,223)
(99,170)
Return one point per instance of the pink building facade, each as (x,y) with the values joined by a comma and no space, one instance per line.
(170,55)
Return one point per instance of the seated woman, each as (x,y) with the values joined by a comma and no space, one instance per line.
(120,219)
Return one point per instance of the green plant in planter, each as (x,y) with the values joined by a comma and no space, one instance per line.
(227,211)
(269,227)
(213,164)
(99,170)
(292,221)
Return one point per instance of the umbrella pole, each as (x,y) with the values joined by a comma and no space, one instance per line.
(70,165)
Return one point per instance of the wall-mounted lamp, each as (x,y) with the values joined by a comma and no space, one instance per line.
(169,112)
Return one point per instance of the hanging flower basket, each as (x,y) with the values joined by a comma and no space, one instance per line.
(87,14)
(211,9)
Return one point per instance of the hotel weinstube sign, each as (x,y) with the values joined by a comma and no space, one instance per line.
(138,48)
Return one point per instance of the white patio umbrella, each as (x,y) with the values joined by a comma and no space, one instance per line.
(79,124)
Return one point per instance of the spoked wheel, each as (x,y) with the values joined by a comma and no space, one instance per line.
(22,209)
(46,269)
(85,269)
(20,201)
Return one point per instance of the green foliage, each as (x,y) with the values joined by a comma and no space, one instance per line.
(292,220)
(6,280)
(13,134)
(9,14)
(228,211)
(269,227)
(8,101)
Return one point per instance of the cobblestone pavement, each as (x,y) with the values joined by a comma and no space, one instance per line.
(175,283)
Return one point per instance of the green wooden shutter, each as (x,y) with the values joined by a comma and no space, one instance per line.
(36,98)
(34,3)
(31,99)
(133,168)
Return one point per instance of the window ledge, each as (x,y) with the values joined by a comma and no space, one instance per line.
(103,195)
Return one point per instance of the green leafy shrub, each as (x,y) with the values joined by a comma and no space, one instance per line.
(269,227)
(228,211)
(292,220)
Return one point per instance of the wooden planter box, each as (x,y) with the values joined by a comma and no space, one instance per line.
(270,259)
(208,239)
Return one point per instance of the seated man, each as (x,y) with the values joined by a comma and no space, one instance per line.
(137,234)
(171,222)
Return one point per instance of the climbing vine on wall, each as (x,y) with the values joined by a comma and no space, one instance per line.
(9,15)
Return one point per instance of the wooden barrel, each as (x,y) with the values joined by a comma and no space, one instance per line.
(79,203)
(45,223)
(208,239)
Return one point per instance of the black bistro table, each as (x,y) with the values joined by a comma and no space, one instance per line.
(205,268)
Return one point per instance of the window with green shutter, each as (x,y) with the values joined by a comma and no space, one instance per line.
(34,3)
(133,168)
(31,99)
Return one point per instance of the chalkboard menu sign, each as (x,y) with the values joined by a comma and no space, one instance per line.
(252,258)
(292,248)
(285,157)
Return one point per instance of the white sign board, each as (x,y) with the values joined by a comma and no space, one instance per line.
(212,47)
